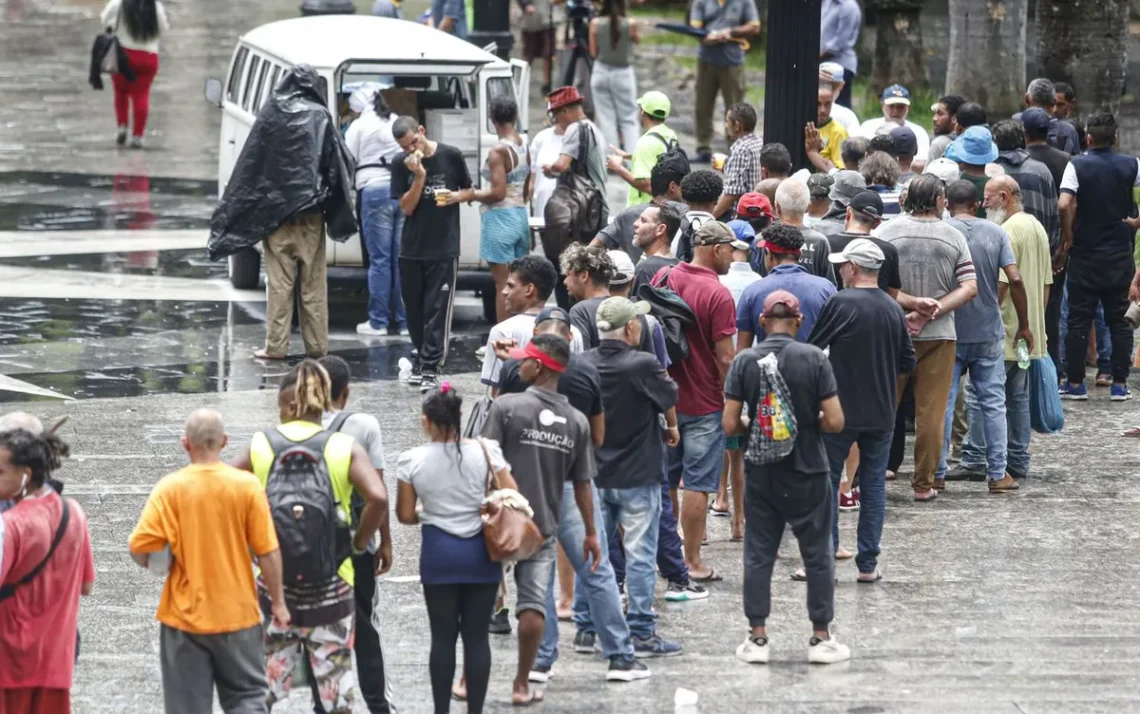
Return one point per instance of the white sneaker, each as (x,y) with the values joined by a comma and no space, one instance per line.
(481,352)
(754,650)
(827,651)
(366,328)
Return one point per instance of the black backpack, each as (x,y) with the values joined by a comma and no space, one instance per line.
(674,157)
(574,212)
(674,314)
(314,540)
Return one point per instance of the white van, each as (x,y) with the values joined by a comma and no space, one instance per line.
(446,82)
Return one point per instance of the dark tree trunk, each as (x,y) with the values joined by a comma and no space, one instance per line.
(899,56)
(792,78)
(1084,43)
(987,53)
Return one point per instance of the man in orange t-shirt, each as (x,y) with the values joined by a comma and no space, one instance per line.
(211,516)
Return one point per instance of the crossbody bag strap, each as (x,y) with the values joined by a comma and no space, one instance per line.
(8,590)
(490,471)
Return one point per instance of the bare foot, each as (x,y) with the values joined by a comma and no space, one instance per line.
(737,531)
(525,697)
(842,553)
(565,611)
(459,690)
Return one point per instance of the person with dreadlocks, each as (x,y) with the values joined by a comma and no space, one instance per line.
(309,475)
(138,25)
(46,564)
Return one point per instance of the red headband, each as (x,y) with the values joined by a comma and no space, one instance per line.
(532,351)
(778,249)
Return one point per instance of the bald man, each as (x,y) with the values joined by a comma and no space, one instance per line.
(212,517)
(768,187)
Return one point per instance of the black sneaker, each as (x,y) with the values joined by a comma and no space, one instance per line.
(626,670)
(500,622)
(683,592)
(429,382)
(965,473)
(654,646)
(585,642)
(417,373)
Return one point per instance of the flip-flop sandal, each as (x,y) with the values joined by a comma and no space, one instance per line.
(712,577)
(1134,431)
(1103,380)
(535,697)
(891,475)
(800,576)
(719,513)
(870,581)
(736,539)
(844,554)
(262,354)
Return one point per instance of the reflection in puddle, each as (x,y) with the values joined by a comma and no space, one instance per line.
(168,263)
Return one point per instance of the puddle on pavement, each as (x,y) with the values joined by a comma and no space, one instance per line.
(368,364)
(167,263)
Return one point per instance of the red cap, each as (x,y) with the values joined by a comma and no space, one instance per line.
(754,205)
(562,97)
(781,297)
(532,351)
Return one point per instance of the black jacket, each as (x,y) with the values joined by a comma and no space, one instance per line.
(99,49)
(294,160)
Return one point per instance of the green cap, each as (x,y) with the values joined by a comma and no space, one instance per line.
(655,104)
(615,312)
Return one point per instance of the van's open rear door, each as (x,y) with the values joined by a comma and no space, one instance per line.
(520,73)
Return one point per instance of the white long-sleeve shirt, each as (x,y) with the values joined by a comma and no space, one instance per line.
(369,139)
(110,18)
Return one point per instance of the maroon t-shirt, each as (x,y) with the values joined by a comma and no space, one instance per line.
(698,377)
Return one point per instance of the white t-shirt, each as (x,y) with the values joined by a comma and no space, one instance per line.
(847,118)
(369,139)
(1070,183)
(544,151)
(519,328)
(450,481)
(872,126)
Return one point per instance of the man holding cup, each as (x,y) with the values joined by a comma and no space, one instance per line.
(430,182)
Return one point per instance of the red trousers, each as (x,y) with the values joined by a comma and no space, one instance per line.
(35,701)
(136,93)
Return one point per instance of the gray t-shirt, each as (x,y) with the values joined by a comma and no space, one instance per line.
(933,260)
(366,430)
(938,146)
(450,481)
(547,442)
(980,319)
(712,15)
(595,159)
(386,8)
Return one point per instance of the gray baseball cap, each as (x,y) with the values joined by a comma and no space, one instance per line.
(847,184)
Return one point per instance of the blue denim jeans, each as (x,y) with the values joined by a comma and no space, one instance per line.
(700,455)
(597,591)
(638,512)
(985,406)
(1017,417)
(1103,337)
(871,476)
(670,558)
(382,222)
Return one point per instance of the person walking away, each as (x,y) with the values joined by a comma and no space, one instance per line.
(46,565)
(938,277)
(314,174)
(138,25)
(653,234)
(782,247)
(865,214)
(739,276)
(1042,94)
(1038,191)
(720,61)
(429,183)
(1030,245)
(560,458)
(291,461)
(895,104)
(906,144)
(824,137)
(792,199)
(819,188)
(369,139)
(538,42)
(840,21)
(613,85)
(365,429)
(832,75)
(212,517)
(665,184)
(1097,238)
(505,234)
(881,172)
(701,190)
(793,491)
(697,460)
(637,393)
(979,350)
(448,476)
(742,169)
(865,332)
(588,273)
(656,139)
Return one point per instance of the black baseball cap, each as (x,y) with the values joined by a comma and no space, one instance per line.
(556,313)
(869,203)
(906,143)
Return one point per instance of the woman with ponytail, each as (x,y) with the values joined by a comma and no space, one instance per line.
(41,576)
(138,25)
(448,476)
(321,604)
(612,82)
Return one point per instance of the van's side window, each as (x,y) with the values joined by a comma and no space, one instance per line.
(236,74)
(260,86)
(247,93)
(272,82)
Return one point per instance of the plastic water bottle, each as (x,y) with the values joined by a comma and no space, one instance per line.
(1022,349)
(405,365)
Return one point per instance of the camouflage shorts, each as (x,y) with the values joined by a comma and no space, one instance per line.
(329,649)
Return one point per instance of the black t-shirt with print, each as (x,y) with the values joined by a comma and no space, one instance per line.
(432,232)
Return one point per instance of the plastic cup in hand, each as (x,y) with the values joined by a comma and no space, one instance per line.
(1022,349)
(441,195)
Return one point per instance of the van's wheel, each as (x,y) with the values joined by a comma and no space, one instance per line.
(245,269)
(490,313)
